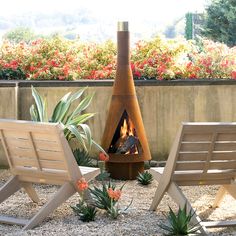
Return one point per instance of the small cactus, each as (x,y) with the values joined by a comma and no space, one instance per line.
(144,178)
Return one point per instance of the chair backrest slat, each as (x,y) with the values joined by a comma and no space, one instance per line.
(34,150)
(206,150)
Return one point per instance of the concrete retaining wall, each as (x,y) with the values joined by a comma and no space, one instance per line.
(164,104)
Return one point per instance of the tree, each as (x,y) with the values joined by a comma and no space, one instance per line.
(220,23)
(20,34)
(189,26)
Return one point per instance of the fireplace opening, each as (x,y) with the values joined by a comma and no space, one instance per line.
(125,140)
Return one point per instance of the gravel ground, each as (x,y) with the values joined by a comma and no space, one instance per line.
(137,221)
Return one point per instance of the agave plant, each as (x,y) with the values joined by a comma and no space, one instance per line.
(73,122)
(82,157)
(145,178)
(179,224)
(85,212)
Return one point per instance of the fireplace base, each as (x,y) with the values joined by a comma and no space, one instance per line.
(124,171)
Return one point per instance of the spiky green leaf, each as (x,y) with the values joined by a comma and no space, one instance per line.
(78,94)
(83,158)
(39,104)
(80,119)
(73,129)
(61,108)
(87,133)
(179,224)
(81,107)
(98,146)
(34,114)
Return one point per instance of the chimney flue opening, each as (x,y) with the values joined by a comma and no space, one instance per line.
(123,26)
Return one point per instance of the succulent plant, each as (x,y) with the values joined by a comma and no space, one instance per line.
(73,122)
(145,178)
(85,212)
(179,224)
(101,196)
(83,158)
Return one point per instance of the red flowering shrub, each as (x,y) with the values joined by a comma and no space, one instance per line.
(208,59)
(55,58)
(158,58)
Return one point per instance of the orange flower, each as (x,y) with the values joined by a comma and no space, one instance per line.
(103,157)
(114,194)
(82,184)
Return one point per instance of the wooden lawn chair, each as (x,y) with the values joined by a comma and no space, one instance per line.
(39,153)
(202,154)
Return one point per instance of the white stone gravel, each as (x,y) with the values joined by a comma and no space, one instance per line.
(137,222)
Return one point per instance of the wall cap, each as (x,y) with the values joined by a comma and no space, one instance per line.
(109,83)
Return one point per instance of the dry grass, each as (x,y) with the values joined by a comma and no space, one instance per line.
(138,221)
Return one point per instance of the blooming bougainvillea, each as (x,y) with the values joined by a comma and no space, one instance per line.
(157,58)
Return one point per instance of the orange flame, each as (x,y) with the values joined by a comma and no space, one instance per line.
(126,130)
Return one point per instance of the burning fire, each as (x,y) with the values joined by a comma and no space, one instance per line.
(128,138)
(125,130)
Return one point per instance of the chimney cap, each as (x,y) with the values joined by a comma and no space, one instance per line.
(123,26)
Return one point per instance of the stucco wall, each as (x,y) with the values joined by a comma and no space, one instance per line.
(163,105)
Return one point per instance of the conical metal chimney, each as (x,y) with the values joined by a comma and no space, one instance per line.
(123,162)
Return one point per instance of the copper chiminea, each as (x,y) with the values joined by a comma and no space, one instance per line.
(124,136)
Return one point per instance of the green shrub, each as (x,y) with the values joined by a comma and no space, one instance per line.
(12,74)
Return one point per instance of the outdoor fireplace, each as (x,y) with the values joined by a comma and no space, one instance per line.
(124,137)
(125,140)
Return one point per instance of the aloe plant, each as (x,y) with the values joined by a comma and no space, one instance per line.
(179,224)
(83,158)
(101,197)
(145,178)
(85,212)
(73,122)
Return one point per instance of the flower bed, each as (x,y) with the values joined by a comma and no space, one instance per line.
(158,58)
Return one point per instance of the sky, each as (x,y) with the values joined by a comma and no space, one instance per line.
(142,16)
(128,9)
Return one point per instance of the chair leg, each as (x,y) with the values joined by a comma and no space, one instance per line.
(177,195)
(160,191)
(29,189)
(231,189)
(9,188)
(219,196)
(66,191)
